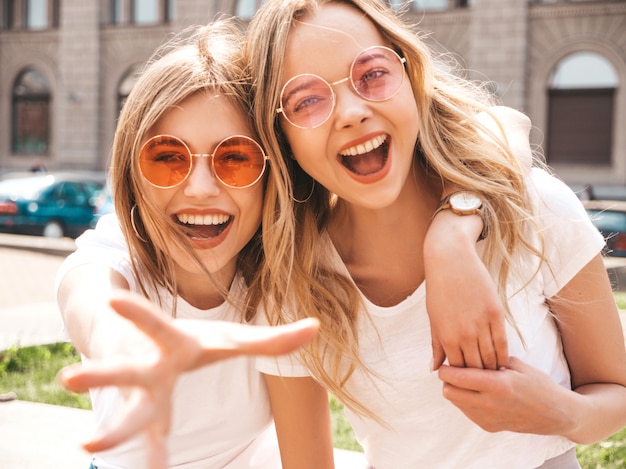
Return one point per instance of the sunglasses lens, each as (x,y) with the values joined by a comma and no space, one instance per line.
(164,161)
(307,100)
(239,161)
(377,73)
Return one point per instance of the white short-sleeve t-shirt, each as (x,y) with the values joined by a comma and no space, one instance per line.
(421,428)
(221,414)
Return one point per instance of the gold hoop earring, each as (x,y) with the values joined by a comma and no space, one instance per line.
(308,197)
(132,222)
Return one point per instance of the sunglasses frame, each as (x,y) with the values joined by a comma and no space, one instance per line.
(281,109)
(203,155)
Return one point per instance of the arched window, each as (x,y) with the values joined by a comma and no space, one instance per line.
(581,96)
(30,113)
(126,84)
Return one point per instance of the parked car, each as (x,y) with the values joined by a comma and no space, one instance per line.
(104,204)
(609,216)
(53,205)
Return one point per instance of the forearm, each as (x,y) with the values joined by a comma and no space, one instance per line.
(450,235)
(599,410)
(93,327)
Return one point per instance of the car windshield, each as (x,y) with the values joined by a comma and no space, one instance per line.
(24,188)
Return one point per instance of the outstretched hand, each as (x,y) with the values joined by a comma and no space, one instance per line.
(180,346)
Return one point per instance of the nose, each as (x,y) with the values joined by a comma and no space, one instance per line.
(350,108)
(201,181)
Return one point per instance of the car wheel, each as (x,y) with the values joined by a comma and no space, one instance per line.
(53,229)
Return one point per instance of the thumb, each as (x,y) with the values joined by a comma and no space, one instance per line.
(517,364)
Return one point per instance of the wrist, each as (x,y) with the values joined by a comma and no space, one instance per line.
(450,236)
(464,204)
(449,226)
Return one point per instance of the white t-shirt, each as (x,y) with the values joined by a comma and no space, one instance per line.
(423,429)
(221,415)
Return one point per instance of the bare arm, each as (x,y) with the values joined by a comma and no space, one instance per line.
(465,311)
(521,398)
(83,299)
(302,417)
(593,341)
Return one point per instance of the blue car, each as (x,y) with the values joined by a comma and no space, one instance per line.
(609,216)
(52,205)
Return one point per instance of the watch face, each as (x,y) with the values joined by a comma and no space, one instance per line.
(465,201)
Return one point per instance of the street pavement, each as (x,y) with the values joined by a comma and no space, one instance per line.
(32,435)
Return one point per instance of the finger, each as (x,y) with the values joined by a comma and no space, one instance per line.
(518,365)
(472,355)
(455,357)
(486,348)
(501,345)
(472,379)
(439,355)
(156,445)
(135,418)
(275,340)
(147,317)
(81,377)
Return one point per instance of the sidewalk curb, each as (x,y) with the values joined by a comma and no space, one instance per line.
(54,246)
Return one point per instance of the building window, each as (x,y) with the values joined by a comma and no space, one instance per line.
(29,14)
(115,12)
(581,97)
(246,9)
(428,5)
(37,14)
(145,11)
(139,12)
(126,85)
(30,109)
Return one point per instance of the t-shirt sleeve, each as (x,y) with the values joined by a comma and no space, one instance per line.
(105,244)
(571,239)
(289,365)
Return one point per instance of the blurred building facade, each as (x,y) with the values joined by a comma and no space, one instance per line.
(66,66)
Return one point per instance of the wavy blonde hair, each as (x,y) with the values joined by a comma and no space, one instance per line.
(207,59)
(452,147)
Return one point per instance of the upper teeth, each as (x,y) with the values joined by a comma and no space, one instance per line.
(214,219)
(364,147)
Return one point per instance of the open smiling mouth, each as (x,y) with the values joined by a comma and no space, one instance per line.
(203,226)
(368,157)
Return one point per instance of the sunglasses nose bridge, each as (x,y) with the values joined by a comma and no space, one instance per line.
(335,83)
(204,156)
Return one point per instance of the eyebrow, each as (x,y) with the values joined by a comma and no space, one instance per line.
(304,80)
(369,56)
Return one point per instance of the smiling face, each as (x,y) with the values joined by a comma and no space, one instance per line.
(218,220)
(364,151)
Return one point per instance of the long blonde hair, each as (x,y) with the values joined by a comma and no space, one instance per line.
(452,147)
(206,59)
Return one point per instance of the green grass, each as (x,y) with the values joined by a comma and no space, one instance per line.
(343,435)
(620,299)
(31,373)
